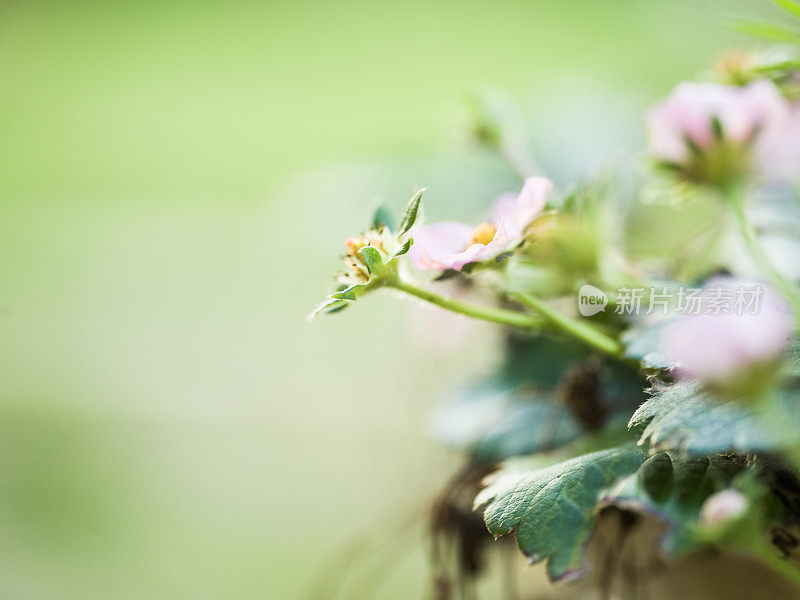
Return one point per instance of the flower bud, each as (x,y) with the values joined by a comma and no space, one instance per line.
(722,507)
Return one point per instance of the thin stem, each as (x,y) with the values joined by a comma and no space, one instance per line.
(759,255)
(583,331)
(493,315)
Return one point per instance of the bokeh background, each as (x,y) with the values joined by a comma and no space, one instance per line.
(176,179)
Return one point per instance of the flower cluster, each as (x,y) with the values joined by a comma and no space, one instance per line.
(714,342)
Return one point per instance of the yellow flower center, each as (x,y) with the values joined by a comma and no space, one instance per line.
(370,238)
(353,245)
(483,234)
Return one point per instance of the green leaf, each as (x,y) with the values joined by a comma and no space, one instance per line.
(789,6)
(672,488)
(684,416)
(383,217)
(767,31)
(411,213)
(553,509)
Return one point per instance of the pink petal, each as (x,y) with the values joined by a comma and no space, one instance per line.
(506,235)
(475,253)
(523,208)
(504,207)
(446,245)
(435,243)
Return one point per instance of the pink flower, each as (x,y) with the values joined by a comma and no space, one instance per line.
(687,120)
(753,328)
(451,245)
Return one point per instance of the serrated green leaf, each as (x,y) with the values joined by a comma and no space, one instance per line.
(383,217)
(685,417)
(373,259)
(553,509)
(672,488)
(789,6)
(411,213)
(767,31)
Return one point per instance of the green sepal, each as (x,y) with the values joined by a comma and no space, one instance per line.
(349,293)
(329,306)
(374,260)
(383,218)
(716,127)
(402,249)
(411,213)
(341,299)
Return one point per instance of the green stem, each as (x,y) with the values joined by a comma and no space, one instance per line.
(582,331)
(493,315)
(767,554)
(758,254)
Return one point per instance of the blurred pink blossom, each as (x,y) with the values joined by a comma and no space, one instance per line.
(451,245)
(687,117)
(713,347)
(779,154)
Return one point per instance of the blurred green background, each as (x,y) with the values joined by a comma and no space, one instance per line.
(176,179)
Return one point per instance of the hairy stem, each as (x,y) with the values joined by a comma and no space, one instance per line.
(494,315)
(583,331)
